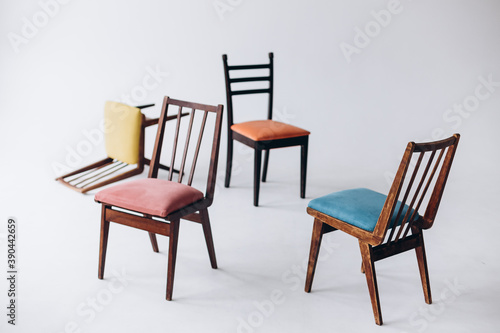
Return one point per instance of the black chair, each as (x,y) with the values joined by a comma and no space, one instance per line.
(261,135)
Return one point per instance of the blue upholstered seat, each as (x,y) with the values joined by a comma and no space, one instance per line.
(359,207)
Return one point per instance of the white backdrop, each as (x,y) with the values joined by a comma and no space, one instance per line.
(365,77)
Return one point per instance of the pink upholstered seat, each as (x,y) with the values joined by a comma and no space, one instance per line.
(151,196)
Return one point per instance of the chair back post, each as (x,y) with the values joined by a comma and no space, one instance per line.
(229,96)
(437,193)
(271,86)
(212,172)
(392,198)
(155,159)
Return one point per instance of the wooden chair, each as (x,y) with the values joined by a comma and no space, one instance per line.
(124,146)
(382,223)
(157,205)
(261,135)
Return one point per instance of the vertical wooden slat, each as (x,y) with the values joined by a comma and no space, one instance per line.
(415,195)
(118,166)
(408,189)
(198,144)
(186,147)
(91,171)
(105,168)
(176,140)
(436,165)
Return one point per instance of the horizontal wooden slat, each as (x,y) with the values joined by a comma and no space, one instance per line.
(429,146)
(190,105)
(250,91)
(250,79)
(139,222)
(240,67)
(389,249)
(194,217)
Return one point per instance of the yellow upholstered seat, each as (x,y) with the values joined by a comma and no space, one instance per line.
(122,132)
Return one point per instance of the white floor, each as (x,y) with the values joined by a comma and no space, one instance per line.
(261,254)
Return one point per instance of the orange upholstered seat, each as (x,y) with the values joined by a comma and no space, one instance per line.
(263,130)
(158,197)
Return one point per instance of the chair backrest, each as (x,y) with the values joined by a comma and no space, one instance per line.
(241,79)
(183,148)
(123,132)
(419,184)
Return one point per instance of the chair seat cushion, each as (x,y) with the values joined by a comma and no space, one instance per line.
(152,196)
(263,130)
(359,207)
(123,132)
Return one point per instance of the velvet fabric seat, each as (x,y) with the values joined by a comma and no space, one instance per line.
(359,207)
(153,196)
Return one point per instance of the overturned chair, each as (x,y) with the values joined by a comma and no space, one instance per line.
(124,140)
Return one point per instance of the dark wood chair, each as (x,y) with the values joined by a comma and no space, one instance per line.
(382,223)
(261,135)
(157,205)
(128,126)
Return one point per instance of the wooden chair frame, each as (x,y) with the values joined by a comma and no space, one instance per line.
(88,177)
(258,146)
(377,245)
(195,212)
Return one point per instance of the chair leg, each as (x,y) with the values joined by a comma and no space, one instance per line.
(317,236)
(256,176)
(103,244)
(424,272)
(371,279)
(172,255)
(207,230)
(154,242)
(229,160)
(303,169)
(266,162)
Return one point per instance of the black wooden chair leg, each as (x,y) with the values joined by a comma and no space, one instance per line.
(303,169)
(229,161)
(266,162)
(256,177)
